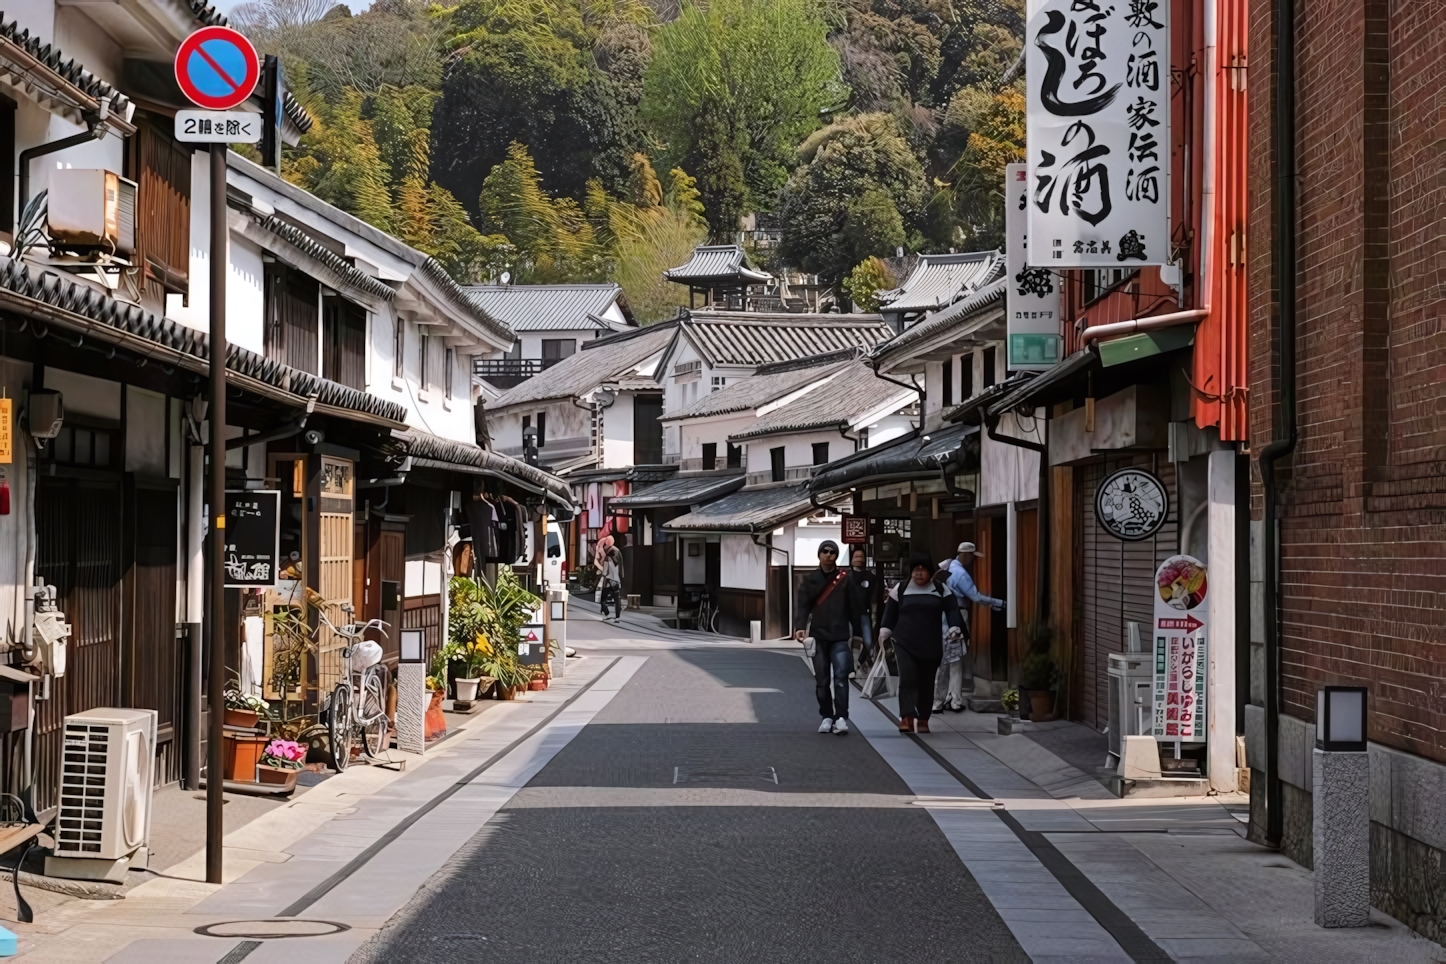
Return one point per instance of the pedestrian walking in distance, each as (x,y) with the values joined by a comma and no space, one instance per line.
(949,683)
(913,614)
(829,611)
(871,591)
(612,583)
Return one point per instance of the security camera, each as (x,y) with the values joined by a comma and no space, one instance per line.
(313,436)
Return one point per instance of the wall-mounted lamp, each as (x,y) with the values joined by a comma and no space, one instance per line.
(1340,719)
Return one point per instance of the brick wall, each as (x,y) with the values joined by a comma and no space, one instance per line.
(1363,544)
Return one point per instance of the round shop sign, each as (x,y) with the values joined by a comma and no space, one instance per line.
(1132,504)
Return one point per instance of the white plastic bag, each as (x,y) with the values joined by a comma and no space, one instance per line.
(365,653)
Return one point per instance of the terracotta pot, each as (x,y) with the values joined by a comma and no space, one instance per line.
(1041,705)
(467,689)
(245,718)
(537,684)
(434,723)
(276,776)
(240,756)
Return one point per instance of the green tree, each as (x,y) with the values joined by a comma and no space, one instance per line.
(553,238)
(732,88)
(865,281)
(972,191)
(857,192)
(339,161)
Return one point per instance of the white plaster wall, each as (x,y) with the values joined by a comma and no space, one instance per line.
(1007,472)
(675,398)
(245,296)
(807,539)
(84,394)
(568,427)
(797,449)
(695,568)
(744,565)
(933,392)
(618,432)
(888,428)
(716,430)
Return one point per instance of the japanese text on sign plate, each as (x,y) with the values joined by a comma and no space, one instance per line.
(1098,116)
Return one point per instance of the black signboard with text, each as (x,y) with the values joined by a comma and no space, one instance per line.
(252,538)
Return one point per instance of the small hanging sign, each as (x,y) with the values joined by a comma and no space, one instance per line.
(6,432)
(252,531)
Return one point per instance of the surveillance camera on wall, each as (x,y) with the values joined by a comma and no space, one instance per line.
(313,436)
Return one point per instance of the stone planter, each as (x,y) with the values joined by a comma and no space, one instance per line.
(467,689)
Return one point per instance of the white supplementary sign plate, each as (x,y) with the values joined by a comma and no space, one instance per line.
(218,126)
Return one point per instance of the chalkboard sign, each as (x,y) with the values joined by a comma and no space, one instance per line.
(251,538)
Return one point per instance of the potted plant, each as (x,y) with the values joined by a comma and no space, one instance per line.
(245,710)
(1010,702)
(1038,675)
(280,762)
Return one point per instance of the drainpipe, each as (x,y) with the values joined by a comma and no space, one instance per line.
(1282,446)
(1150,323)
(95,130)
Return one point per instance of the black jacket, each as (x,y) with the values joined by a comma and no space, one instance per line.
(839,616)
(913,618)
(871,591)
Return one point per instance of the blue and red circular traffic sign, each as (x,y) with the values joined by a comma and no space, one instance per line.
(217,68)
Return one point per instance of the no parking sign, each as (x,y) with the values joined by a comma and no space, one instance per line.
(217,68)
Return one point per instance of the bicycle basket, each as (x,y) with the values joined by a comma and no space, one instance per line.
(365,653)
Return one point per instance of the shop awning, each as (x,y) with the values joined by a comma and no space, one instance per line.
(690,490)
(911,457)
(433,452)
(748,511)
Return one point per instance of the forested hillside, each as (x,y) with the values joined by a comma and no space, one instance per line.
(602,139)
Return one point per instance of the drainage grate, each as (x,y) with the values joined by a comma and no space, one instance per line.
(272,930)
(724,774)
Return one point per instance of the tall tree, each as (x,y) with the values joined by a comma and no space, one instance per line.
(732,88)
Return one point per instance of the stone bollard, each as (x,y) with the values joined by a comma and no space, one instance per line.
(1341,834)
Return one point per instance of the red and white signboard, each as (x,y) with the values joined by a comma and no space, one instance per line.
(217,68)
(1180,611)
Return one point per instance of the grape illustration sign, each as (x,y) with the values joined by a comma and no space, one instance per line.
(1098,119)
(1180,586)
(1132,505)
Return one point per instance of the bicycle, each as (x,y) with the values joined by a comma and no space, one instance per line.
(348,717)
(707,618)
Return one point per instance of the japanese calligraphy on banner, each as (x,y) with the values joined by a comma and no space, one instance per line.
(1180,585)
(252,533)
(1033,293)
(1098,117)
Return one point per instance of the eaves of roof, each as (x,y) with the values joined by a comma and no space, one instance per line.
(40,72)
(960,320)
(600,361)
(432,451)
(939,279)
(754,339)
(548,307)
(682,490)
(51,299)
(749,511)
(916,455)
(718,264)
(344,275)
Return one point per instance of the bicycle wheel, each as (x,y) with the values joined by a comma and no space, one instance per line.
(339,728)
(713,621)
(373,714)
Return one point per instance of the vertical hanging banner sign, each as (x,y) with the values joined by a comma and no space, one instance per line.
(1180,585)
(1033,293)
(253,538)
(1098,118)
(7,437)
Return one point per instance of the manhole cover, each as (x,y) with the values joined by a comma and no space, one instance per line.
(725,774)
(270,930)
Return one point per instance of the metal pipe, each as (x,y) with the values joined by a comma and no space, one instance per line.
(195,603)
(94,133)
(1150,323)
(216,488)
(1284,257)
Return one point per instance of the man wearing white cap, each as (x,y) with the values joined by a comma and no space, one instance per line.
(949,682)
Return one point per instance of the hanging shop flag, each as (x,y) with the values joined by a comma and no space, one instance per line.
(1180,613)
(1098,118)
(1033,299)
(7,439)
(253,538)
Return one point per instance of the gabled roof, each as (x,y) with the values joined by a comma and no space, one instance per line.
(938,279)
(979,316)
(717,264)
(549,307)
(343,274)
(753,338)
(684,490)
(853,394)
(51,298)
(432,451)
(748,510)
(41,72)
(748,394)
(600,361)
(916,455)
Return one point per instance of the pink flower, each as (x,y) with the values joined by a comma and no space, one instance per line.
(286,750)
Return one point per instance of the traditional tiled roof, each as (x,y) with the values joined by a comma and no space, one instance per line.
(600,361)
(852,394)
(548,307)
(938,279)
(748,510)
(51,298)
(717,264)
(305,243)
(958,321)
(432,451)
(41,72)
(684,490)
(913,456)
(757,338)
(747,394)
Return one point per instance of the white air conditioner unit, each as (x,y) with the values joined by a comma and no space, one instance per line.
(93,209)
(1131,693)
(106,774)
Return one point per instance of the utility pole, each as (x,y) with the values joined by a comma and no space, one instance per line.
(216,497)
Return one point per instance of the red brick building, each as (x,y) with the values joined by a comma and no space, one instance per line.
(1347,284)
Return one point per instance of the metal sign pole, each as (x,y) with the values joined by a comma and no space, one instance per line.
(216,488)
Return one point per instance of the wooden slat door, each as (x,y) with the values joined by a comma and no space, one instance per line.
(151,663)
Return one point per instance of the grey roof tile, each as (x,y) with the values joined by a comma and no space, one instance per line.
(852,393)
(748,510)
(913,455)
(939,279)
(754,338)
(717,263)
(432,448)
(601,360)
(750,393)
(304,242)
(50,56)
(955,321)
(547,307)
(684,490)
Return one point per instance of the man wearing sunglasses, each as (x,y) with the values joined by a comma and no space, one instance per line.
(829,612)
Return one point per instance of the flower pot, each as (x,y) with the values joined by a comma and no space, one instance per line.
(276,776)
(434,724)
(467,689)
(537,684)
(242,718)
(240,755)
(1041,705)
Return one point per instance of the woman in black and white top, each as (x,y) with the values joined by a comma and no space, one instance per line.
(912,616)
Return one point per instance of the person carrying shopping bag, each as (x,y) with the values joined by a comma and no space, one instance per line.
(913,613)
(948,686)
(828,613)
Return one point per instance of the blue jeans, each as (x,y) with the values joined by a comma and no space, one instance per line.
(832,657)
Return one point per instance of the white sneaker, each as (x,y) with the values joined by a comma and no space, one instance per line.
(826,726)
(841,726)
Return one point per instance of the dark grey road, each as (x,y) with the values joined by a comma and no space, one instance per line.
(579,869)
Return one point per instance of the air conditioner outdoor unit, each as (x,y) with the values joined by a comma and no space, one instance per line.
(106,775)
(92,209)
(1131,696)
